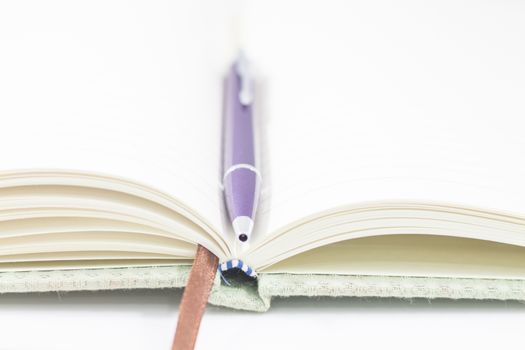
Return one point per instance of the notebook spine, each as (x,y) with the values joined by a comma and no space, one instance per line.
(237,264)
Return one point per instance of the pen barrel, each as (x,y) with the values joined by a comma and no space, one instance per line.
(241,179)
(241,192)
(238,137)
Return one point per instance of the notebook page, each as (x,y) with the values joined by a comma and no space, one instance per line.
(383,100)
(126,88)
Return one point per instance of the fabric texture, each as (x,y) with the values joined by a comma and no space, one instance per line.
(257,297)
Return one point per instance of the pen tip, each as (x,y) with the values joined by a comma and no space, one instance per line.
(243,227)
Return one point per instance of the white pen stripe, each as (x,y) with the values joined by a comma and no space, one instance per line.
(241,166)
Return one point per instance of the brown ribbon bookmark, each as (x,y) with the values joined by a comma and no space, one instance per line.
(195,298)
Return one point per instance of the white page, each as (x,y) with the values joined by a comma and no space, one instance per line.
(378,100)
(126,88)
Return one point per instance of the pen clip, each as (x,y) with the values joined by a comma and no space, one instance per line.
(246,88)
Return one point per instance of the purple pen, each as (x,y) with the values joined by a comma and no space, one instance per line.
(241,178)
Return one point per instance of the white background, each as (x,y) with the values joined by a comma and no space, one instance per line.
(146,320)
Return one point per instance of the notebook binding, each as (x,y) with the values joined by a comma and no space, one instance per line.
(239,264)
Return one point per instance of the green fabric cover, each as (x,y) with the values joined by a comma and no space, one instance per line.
(258,296)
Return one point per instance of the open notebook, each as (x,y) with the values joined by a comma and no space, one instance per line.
(392,144)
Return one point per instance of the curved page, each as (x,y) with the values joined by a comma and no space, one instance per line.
(380,100)
(127,89)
